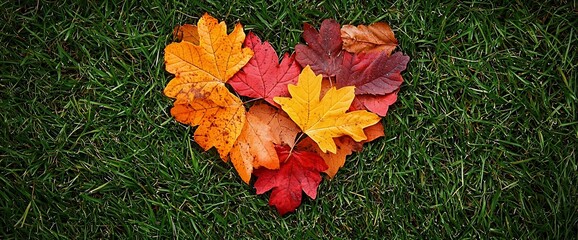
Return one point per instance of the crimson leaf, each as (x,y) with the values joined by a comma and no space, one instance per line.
(300,172)
(263,76)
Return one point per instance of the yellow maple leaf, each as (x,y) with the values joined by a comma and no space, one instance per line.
(202,63)
(323,119)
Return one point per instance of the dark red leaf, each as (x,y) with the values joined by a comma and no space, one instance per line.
(372,73)
(263,76)
(300,172)
(323,49)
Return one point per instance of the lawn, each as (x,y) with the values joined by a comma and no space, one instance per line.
(481,143)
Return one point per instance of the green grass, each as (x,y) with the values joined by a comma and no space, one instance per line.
(481,144)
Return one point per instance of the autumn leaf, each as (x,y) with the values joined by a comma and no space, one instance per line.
(345,146)
(377,79)
(323,49)
(187,32)
(378,104)
(201,71)
(323,119)
(377,37)
(372,73)
(219,125)
(265,127)
(255,147)
(299,172)
(200,68)
(263,76)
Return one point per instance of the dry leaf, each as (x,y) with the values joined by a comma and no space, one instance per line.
(377,37)
(284,129)
(255,147)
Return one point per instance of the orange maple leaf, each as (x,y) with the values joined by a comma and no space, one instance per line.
(265,127)
(373,38)
(201,69)
(219,124)
(323,119)
(255,147)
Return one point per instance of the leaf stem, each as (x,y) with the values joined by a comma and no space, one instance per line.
(301,134)
(251,100)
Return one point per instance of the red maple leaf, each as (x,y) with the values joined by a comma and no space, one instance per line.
(372,73)
(301,171)
(263,76)
(378,104)
(323,51)
(376,78)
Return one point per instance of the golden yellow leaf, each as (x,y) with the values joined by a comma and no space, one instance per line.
(323,119)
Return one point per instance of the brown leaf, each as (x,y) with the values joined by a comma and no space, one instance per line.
(377,37)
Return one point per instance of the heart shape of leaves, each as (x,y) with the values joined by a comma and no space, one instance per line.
(305,112)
